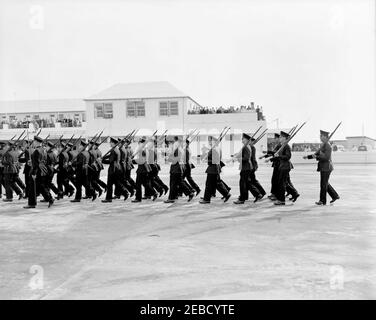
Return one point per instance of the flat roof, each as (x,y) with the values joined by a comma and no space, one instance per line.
(39,106)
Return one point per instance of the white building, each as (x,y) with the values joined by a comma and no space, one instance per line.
(159,105)
(56,116)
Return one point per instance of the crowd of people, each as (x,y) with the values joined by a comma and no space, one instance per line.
(41,123)
(230,109)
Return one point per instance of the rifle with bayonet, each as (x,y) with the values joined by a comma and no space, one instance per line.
(276,154)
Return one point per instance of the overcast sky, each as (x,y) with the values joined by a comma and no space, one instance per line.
(300,60)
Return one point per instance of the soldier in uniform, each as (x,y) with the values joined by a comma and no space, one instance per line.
(38,175)
(95,168)
(283,156)
(252,177)
(51,162)
(25,157)
(176,174)
(114,171)
(99,166)
(188,166)
(245,167)
(125,169)
(62,179)
(213,179)
(143,169)
(82,168)
(325,167)
(10,171)
(151,159)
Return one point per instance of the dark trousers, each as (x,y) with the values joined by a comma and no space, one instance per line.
(63,183)
(39,186)
(128,177)
(213,183)
(290,187)
(274,182)
(281,184)
(143,179)
(325,187)
(244,185)
(256,183)
(176,184)
(11,185)
(100,182)
(187,174)
(82,180)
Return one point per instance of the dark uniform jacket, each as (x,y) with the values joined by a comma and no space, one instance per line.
(324,157)
(284,158)
(10,162)
(82,162)
(51,161)
(113,159)
(175,158)
(214,159)
(63,159)
(38,162)
(253,158)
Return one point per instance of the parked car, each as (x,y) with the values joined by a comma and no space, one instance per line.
(362,148)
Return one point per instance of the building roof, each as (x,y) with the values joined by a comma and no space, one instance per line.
(139,90)
(360,137)
(38,106)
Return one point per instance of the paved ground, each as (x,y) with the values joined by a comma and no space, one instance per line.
(187,250)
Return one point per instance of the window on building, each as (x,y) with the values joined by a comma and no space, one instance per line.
(36,116)
(135,109)
(12,118)
(168,108)
(103,110)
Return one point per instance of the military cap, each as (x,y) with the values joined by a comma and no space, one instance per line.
(70,145)
(97,144)
(114,140)
(142,139)
(37,138)
(63,145)
(246,136)
(83,143)
(324,133)
(50,144)
(276,135)
(284,134)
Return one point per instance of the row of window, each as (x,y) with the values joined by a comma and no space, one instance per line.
(136,109)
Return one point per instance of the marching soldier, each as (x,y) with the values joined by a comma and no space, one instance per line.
(213,179)
(254,182)
(125,169)
(62,179)
(51,162)
(99,166)
(38,175)
(325,167)
(25,157)
(143,169)
(82,168)
(275,166)
(10,171)
(114,171)
(283,155)
(188,166)
(151,158)
(176,174)
(245,166)
(95,168)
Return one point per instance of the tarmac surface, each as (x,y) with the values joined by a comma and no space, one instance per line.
(152,250)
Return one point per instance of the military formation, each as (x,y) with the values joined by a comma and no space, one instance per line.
(78,164)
